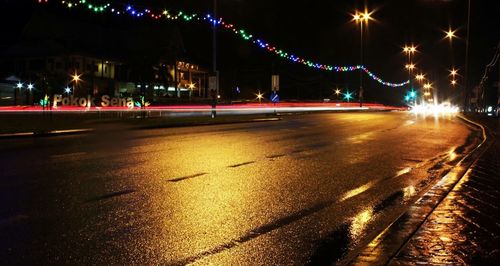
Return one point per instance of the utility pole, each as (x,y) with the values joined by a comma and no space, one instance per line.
(214,48)
(214,79)
(466,81)
(361,62)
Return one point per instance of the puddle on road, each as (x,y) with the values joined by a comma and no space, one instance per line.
(337,244)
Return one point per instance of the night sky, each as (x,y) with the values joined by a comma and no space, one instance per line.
(318,30)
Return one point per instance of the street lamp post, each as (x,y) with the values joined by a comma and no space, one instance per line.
(466,81)
(29,88)
(410,50)
(361,18)
(19,86)
(361,63)
(214,48)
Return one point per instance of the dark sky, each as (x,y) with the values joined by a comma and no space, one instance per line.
(321,31)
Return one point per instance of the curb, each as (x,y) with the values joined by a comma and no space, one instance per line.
(50,133)
(396,235)
(54,133)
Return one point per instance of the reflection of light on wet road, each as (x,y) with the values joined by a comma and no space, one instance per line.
(452,154)
(206,194)
(189,205)
(360,221)
(357,191)
(361,138)
(408,192)
(403,171)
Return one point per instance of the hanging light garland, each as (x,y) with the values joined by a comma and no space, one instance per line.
(179,15)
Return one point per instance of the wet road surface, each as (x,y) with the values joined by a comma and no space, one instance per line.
(306,189)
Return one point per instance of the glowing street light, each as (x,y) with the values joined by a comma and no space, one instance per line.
(260,96)
(67,90)
(361,18)
(348,96)
(192,86)
(450,34)
(19,85)
(427,86)
(453,72)
(75,77)
(337,92)
(453,82)
(409,49)
(31,86)
(410,66)
(420,77)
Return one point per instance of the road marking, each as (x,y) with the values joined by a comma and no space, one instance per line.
(275,156)
(403,171)
(241,164)
(186,177)
(67,155)
(354,192)
(111,195)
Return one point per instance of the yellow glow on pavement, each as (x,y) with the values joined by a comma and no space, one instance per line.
(360,221)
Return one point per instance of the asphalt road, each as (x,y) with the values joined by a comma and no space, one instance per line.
(306,189)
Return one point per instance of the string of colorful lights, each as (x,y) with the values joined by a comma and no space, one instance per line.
(140,12)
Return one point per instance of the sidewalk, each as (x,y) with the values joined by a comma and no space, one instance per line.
(465,227)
